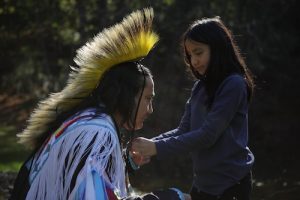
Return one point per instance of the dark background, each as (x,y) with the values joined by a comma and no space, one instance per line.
(38,40)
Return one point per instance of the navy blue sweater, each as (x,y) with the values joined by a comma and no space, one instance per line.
(216,138)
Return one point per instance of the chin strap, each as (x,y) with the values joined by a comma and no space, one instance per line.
(132,132)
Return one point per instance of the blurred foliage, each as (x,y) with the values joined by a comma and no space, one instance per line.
(12,154)
(38,40)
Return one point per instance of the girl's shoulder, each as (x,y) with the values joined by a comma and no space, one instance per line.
(234,80)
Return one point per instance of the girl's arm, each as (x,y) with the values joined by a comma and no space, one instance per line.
(231,93)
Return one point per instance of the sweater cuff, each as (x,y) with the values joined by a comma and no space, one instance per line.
(160,149)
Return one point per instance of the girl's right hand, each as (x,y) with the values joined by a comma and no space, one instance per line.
(144,146)
(138,159)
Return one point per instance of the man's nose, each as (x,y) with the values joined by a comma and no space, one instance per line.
(150,108)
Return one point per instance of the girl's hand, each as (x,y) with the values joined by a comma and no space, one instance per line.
(145,147)
(138,159)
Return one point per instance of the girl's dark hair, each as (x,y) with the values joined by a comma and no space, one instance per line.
(117,91)
(225,57)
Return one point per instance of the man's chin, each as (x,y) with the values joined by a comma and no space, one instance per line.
(137,127)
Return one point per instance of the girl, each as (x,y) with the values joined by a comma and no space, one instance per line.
(214,127)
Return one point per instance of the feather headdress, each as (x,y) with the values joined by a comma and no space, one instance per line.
(128,40)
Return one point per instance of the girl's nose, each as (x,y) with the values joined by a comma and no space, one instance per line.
(194,62)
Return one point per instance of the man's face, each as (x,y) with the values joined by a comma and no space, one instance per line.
(145,107)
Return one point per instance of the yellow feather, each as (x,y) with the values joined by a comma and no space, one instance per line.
(129,40)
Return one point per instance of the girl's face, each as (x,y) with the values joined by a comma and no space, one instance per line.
(145,107)
(199,54)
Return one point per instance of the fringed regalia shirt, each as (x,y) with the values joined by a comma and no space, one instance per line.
(81,160)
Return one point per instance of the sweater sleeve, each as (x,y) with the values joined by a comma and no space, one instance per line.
(228,97)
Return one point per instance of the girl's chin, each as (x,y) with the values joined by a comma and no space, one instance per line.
(201,72)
